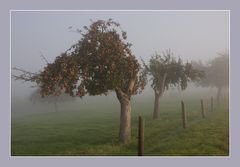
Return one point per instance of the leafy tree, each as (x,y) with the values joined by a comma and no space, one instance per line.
(36,97)
(216,73)
(165,72)
(100,62)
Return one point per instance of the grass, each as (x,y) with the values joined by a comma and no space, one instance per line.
(94,131)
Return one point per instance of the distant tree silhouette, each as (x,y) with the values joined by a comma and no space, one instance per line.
(36,97)
(216,73)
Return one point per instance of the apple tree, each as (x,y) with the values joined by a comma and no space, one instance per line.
(166,71)
(100,62)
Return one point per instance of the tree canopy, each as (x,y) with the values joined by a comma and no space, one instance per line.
(101,61)
(166,71)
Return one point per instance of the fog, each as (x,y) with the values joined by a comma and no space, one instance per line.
(191,35)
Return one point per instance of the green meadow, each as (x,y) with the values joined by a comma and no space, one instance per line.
(91,128)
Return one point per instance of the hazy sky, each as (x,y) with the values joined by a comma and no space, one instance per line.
(192,35)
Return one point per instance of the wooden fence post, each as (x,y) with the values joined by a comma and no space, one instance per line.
(202,109)
(184,117)
(211,104)
(140,136)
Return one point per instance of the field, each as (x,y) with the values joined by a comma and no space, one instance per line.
(91,129)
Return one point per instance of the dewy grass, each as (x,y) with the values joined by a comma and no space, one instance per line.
(94,131)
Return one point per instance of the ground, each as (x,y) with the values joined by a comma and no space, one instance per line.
(93,131)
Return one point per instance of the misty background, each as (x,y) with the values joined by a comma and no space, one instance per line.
(191,35)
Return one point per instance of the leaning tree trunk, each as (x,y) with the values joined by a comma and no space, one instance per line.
(125,118)
(156,106)
(158,93)
(219,94)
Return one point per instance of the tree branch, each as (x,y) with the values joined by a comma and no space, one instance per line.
(25,75)
(131,84)
(163,83)
(43,57)
(120,94)
(23,71)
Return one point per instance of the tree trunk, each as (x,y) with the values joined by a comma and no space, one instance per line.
(156,106)
(125,118)
(158,93)
(219,94)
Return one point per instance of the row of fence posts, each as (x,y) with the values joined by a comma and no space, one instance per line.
(184,115)
(203,113)
(184,122)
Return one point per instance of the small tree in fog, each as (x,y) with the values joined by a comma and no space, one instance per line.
(216,73)
(100,62)
(166,71)
(36,97)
